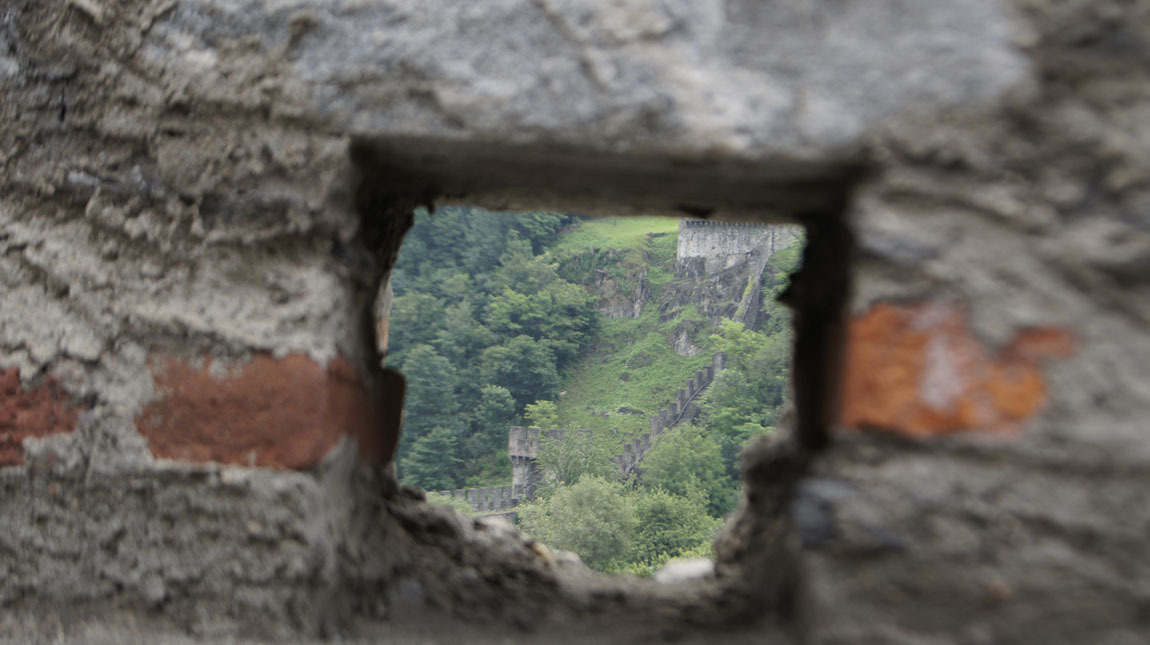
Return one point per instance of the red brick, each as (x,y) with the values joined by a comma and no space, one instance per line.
(279,413)
(38,412)
(918,370)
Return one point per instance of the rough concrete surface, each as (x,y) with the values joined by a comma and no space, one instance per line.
(228,184)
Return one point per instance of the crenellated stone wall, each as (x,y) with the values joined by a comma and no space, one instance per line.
(489,499)
(706,247)
(523,445)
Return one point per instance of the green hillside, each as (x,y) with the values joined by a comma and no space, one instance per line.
(499,320)
(631,371)
(622,233)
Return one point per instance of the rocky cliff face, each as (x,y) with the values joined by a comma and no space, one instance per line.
(622,297)
(718,270)
(708,247)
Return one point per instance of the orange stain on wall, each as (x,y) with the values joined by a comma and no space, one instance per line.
(279,413)
(24,413)
(918,370)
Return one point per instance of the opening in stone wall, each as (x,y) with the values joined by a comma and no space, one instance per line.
(591,379)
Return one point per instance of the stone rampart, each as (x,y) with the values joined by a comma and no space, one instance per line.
(490,499)
(523,445)
(634,451)
(707,247)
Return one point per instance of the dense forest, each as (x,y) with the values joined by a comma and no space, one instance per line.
(495,322)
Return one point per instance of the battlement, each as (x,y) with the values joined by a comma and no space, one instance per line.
(706,247)
(700,223)
(492,499)
(668,417)
(523,445)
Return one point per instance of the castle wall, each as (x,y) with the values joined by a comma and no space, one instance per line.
(722,245)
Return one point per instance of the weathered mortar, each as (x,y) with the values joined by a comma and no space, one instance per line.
(177,181)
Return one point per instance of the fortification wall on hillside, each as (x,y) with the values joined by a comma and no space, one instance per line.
(707,247)
(524,444)
(489,499)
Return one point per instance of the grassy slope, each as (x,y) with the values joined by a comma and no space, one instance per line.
(633,365)
(614,233)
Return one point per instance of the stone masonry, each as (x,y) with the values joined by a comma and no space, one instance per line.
(200,202)
(706,247)
(523,445)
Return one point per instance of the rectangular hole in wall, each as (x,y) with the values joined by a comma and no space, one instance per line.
(530,234)
(593,379)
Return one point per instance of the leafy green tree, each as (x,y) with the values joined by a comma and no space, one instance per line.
(493,416)
(735,414)
(540,227)
(560,312)
(542,414)
(430,399)
(414,320)
(461,337)
(521,270)
(578,454)
(670,526)
(572,319)
(685,458)
(431,462)
(524,366)
(744,400)
(511,313)
(486,236)
(592,517)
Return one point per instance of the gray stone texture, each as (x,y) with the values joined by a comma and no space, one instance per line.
(722,245)
(181,176)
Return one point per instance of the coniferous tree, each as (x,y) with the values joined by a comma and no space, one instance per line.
(525,367)
(431,463)
(493,417)
(430,401)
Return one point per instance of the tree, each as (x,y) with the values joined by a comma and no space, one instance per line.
(579,453)
(773,316)
(744,400)
(461,337)
(592,517)
(540,227)
(572,319)
(542,414)
(414,320)
(686,457)
(560,312)
(521,270)
(669,525)
(431,464)
(493,417)
(524,366)
(430,395)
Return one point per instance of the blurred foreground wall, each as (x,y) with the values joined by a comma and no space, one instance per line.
(201,199)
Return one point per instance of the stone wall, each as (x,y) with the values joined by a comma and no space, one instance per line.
(707,247)
(524,443)
(490,499)
(523,446)
(199,202)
